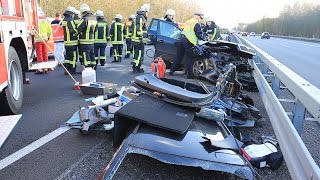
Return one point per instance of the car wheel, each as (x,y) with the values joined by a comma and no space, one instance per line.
(199,67)
(11,98)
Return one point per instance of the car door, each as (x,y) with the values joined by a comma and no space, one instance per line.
(164,36)
(168,36)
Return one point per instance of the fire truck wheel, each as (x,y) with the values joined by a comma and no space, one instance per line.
(12,96)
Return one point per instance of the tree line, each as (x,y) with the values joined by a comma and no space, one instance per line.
(184,8)
(299,20)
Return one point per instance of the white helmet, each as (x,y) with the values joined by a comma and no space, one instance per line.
(170,12)
(70,9)
(84,8)
(118,16)
(145,8)
(77,12)
(209,19)
(132,16)
(99,13)
(200,14)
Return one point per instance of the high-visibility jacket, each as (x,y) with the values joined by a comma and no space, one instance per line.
(116,33)
(57,30)
(188,31)
(70,30)
(76,20)
(128,29)
(44,31)
(140,28)
(87,28)
(101,35)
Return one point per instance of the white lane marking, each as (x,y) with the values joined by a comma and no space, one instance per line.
(31,147)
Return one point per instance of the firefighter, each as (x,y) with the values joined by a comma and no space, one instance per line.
(128,35)
(211,29)
(58,38)
(86,29)
(117,37)
(188,40)
(77,16)
(45,32)
(101,38)
(139,37)
(70,40)
(77,19)
(170,15)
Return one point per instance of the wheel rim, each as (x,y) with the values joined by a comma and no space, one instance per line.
(198,67)
(15,84)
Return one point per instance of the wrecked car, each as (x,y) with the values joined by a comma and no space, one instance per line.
(165,35)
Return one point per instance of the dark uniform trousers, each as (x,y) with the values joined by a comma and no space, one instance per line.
(128,47)
(117,52)
(87,53)
(100,53)
(138,54)
(184,48)
(71,57)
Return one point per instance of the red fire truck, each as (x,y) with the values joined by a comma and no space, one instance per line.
(18,24)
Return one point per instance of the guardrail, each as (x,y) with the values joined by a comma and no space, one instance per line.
(300,163)
(297,38)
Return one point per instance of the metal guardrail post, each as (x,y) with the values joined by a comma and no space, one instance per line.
(299,113)
(276,85)
(264,69)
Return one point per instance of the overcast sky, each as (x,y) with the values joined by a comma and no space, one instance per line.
(228,13)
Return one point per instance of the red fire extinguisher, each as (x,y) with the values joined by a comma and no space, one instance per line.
(158,67)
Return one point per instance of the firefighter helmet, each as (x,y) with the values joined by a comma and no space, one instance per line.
(84,8)
(199,14)
(145,8)
(99,13)
(209,19)
(170,12)
(70,9)
(132,17)
(77,12)
(118,16)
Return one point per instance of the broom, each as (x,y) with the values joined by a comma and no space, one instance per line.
(76,85)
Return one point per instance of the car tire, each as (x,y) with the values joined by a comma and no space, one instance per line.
(11,98)
(199,67)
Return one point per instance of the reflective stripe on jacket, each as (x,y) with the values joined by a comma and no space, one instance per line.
(101,34)
(116,33)
(87,28)
(140,28)
(70,31)
(188,30)
(45,30)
